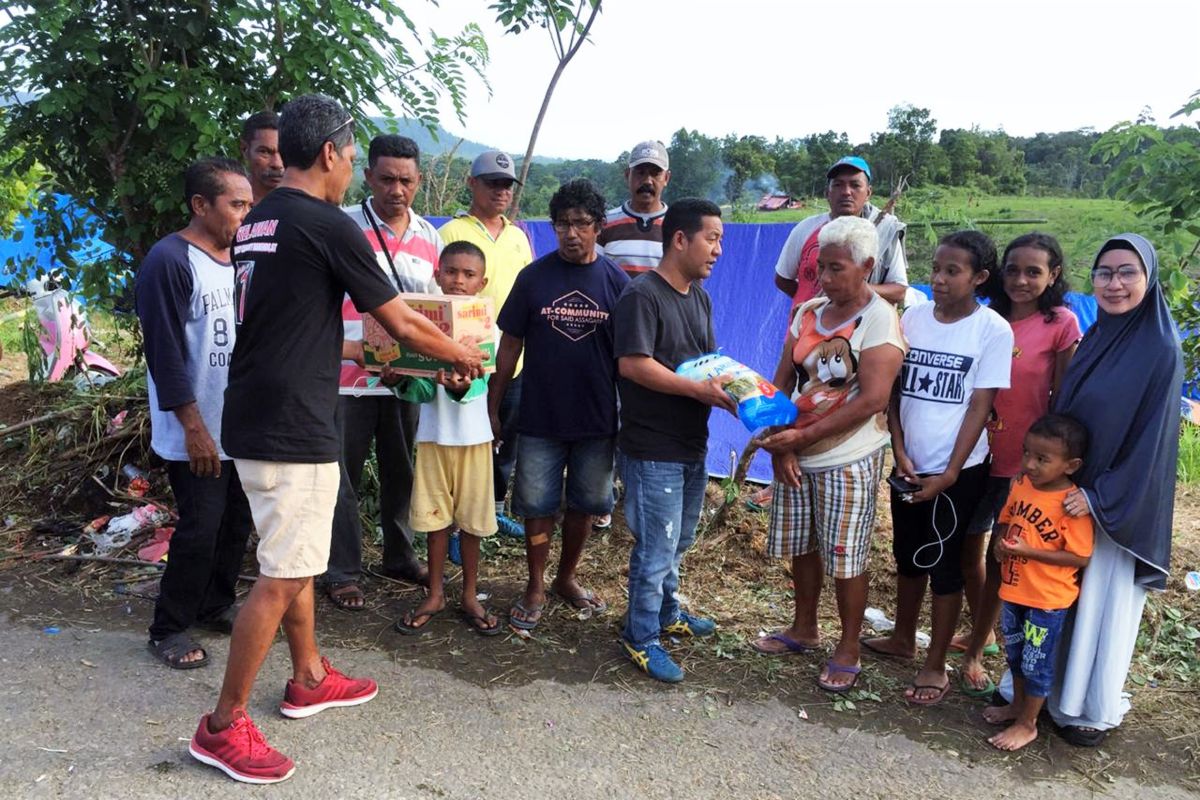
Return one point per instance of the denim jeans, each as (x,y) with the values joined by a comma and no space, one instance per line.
(663,501)
(538,491)
(1030,639)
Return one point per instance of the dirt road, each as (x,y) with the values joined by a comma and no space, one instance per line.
(85,713)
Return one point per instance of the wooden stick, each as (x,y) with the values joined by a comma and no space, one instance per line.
(738,477)
(29,423)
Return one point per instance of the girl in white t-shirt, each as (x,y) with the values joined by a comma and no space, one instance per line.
(959,356)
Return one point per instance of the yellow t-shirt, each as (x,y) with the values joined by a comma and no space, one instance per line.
(506,254)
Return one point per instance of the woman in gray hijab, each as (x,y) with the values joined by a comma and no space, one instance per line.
(1124,384)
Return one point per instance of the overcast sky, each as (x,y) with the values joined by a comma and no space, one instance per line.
(793,67)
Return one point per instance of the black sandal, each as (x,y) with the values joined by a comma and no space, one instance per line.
(480,624)
(173,648)
(1080,736)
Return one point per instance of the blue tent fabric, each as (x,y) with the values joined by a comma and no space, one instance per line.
(24,244)
(750,315)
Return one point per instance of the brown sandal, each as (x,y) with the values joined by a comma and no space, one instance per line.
(341,595)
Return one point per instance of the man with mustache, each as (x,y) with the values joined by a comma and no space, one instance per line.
(508,251)
(632,234)
(406,248)
(259,144)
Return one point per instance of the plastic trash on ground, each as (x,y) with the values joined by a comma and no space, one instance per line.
(121,530)
(760,404)
(878,621)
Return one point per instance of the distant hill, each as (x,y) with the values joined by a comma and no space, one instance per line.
(441,140)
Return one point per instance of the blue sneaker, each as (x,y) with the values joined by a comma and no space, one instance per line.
(654,661)
(687,625)
(454,551)
(510,527)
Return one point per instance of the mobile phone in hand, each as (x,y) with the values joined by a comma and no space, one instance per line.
(902,486)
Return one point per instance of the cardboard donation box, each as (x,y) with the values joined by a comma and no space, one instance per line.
(457,316)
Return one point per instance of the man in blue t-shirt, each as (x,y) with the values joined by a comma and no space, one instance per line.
(558,313)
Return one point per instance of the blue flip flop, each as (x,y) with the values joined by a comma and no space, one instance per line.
(532,616)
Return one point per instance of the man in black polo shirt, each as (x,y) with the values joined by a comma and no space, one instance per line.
(296,256)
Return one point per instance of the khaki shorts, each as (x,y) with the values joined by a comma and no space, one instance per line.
(292,506)
(453,485)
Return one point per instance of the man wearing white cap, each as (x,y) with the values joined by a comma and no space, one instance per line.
(632,234)
(508,251)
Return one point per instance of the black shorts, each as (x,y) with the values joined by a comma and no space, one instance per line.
(927,538)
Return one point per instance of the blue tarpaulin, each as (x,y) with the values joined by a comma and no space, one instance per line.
(750,316)
(24,244)
(749,313)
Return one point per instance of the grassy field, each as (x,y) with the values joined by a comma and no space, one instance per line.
(1081,225)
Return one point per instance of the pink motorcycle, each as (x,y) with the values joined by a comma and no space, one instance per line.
(65,338)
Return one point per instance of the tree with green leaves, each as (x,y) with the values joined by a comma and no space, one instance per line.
(746,158)
(564,20)
(1157,171)
(125,95)
(696,166)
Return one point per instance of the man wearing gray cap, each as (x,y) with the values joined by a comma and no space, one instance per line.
(508,251)
(632,234)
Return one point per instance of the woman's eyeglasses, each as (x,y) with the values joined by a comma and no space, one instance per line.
(1102,276)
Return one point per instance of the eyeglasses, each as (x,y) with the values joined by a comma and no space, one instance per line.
(581,225)
(1125,275)
(329,136)
(498,183)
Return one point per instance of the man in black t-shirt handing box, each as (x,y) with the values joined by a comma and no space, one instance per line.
(469,320)
(296,256)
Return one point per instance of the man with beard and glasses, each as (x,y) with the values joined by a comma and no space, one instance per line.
(259,144)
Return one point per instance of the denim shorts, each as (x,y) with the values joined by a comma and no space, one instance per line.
(1030,639)
(538,491)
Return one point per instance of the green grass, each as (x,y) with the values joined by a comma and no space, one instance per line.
(1189,454)
(1081,225)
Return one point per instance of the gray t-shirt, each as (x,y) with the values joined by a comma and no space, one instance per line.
(655,320)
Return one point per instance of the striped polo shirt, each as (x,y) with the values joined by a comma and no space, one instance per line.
(415,255)
(632,239)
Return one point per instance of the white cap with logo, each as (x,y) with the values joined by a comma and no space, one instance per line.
(649,152)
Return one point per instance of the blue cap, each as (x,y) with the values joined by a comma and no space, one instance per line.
(857,163)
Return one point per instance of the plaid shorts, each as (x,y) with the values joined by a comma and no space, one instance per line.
(833,510)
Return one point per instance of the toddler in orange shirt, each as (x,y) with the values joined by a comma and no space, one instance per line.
(1041,550)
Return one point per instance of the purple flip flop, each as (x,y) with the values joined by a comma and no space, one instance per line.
(792,646)
(834,669)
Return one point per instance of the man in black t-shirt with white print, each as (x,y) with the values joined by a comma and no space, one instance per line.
(296,256)
(663,319)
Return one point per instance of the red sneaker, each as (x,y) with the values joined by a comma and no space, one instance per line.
(336,691)
(240,751)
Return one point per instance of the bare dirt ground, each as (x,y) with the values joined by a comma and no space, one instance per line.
(726,577)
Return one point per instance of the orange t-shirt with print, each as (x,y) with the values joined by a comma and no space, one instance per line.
(1038,518)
